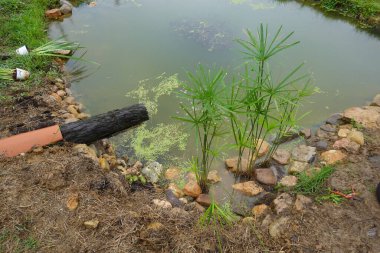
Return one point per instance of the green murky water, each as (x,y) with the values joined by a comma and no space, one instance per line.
(136,40)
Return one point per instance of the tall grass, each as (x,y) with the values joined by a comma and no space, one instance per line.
(257,105)
(254,105)
(202,102)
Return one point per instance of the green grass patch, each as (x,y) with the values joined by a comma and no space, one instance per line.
(359,9)
(23,22)
(314,184)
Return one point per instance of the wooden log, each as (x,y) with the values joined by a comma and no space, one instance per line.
(104,125)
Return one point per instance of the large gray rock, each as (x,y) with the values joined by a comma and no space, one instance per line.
(66,9)
(63,2)
(152,172)
(303,153)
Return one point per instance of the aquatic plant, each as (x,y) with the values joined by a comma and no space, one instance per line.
(6,74)
(150,143)
(255,105)
(258,106)
(53,47)
(202,100)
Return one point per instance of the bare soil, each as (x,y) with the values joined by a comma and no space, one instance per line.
(35,188)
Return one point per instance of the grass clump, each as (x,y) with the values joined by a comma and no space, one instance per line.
(353,8)
(313,184)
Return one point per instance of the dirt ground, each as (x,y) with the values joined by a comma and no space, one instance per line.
(35,189)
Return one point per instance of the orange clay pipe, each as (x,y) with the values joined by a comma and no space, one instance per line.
(21,143)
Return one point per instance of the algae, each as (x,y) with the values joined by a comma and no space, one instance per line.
(162,141)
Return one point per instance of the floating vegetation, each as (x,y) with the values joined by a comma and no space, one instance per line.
(212,36)
(152,143)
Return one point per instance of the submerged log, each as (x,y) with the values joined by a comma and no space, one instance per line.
(104,125)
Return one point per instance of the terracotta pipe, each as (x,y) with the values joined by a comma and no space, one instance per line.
(21,143)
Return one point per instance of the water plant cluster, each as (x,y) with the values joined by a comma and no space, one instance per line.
(247,107)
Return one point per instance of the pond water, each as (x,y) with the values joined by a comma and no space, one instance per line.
(136,40)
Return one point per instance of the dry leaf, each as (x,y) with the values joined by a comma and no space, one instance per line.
(73,201)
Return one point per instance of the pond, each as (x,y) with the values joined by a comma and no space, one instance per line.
(144,41)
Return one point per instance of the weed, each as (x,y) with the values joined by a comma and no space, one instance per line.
(313,184)
(217,216)
(336,199)
(356,125)
(30,243)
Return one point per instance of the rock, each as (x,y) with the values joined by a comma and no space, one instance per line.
(343,133)
(204,200)
(71,120)
(282,203)
(190,177)
(232,164)
(82,116)
(356,136)
(303,153)
(71,109)
(335,119)
(302,202)
(306,133)
(70,100)
(172,198)
(321,145)
(267,221)
(73,201)
(249,188)
(183,200)
(176,190)
(260,210)
(278,227)
(66,9)
(91,223)
(376,100)
(62,2)
(297,167)
(281,156)
(53,13)
(87,151)
(347,145)
(372,232)
(56,97)
(328,128)
(152,172)
(312,171)
(92,4)
(199,207)
(248,221)
(68,116)
(162,203)
(179,212)
(333,156)
(323,134)
(61,93)
(264,147)
(213,177)
(289,181)
(192,189)
(265,176)
(138,165)
(104,164)
(369,116)
(173,173)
